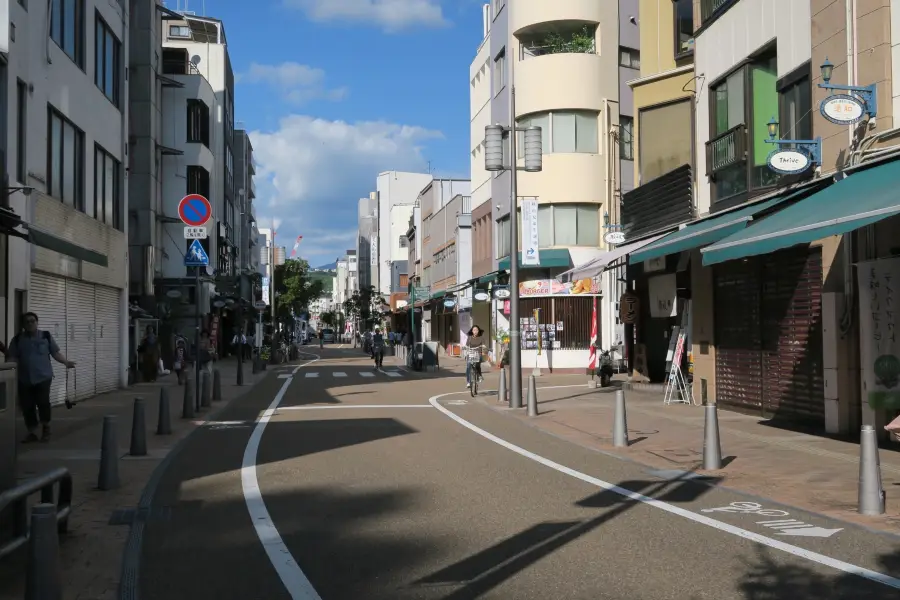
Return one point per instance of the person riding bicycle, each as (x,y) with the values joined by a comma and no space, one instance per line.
(474,343)
(378,347)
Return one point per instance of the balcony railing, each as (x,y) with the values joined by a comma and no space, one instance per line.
(710,8)
(533,51)
(727,149)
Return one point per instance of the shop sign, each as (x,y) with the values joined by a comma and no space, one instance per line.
(663,293)
(879,289)
(449,303)
(842,109)
(501,292)
(655,264)
(550,287)
(482,296)
(788,162)
(402,303)
(629,308)
(614,237)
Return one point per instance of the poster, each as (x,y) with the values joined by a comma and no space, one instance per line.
(878,348)
(530,241)
(663,292)
(551,287)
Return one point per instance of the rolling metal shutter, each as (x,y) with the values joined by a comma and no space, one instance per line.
(736,310)
(793,382)
(47,298)
(80,323)
(107,327)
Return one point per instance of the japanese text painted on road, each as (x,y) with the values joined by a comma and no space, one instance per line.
(789,527)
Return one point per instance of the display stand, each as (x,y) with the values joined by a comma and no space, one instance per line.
(678,389)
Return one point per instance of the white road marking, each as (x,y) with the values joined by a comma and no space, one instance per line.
(366,374)
(392,373)
(311,374)
(286,376)
(293,578)
(330,406)
(339,374)
(809,555)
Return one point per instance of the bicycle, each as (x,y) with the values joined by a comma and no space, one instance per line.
(473,359)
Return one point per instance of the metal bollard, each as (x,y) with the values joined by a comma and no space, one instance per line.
(42,579)
(871,489)
(501,393)
(138,429)
(108,479)
(712,445)
(187,408)
(217,385)
(205,391)
(620,422)
(164,418)
(532,397)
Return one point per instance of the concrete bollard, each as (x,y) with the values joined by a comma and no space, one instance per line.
(43,580)
(138,429)
(620,422)
(501,394)
(217,385)
(205,390)
(187,408)
(108,479)
(712,445)
(532,397)
(255,362)
(871,489)
(164,418)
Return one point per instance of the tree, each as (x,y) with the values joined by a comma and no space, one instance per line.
(364,306)
(328,318)
(293,289)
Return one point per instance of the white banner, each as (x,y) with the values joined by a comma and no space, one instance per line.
(373,252)
(879,352)
(530,241)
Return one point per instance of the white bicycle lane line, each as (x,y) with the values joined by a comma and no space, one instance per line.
(809,555)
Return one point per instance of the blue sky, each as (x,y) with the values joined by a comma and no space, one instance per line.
(335,91)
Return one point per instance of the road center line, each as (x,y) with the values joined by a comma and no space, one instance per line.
(293,578)
(815,557)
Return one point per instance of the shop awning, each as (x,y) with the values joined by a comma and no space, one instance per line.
(9,221)
(552,258)
(489,278)
(601,263)
(708,231)
(861,199)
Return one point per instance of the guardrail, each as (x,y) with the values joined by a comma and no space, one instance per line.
(17,498)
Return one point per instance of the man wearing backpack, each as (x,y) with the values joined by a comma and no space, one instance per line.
(32,349)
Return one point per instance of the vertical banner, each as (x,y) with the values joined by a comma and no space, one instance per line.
(878,348)
(530,242)
(373,252)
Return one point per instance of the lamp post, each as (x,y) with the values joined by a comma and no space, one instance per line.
(867,93)
(494,161)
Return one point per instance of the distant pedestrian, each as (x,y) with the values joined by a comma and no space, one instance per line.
(180,363)
(149,351)
(32,350)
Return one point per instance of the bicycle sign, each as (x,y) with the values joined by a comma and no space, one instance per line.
(748,508)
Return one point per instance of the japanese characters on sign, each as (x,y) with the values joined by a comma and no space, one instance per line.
(629,304)
(879,351)
(842,109)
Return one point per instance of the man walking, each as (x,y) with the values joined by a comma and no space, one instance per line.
(31,350)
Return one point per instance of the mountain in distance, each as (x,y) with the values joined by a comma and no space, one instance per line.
(329,267)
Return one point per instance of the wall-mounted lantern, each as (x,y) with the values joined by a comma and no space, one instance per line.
(846,109)
(792,156)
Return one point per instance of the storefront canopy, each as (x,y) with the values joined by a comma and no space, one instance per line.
(861,199)
(553,258)
(708,231)
(602,262)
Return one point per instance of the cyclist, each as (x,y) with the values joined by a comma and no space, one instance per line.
(475,343)
(378,347)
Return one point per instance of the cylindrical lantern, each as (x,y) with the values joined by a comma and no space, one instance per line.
(533,150)
(493,148)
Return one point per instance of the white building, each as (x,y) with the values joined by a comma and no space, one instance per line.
(265,239)
(394,188)
(65,162)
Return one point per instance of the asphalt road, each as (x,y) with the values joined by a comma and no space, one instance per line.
(377,494)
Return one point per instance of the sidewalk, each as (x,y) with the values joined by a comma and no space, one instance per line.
(816,473)
(91,552)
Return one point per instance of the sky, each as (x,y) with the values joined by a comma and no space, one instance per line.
(334,92)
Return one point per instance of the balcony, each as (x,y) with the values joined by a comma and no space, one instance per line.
(533,14)
(579,42)
(711,9)
(727,149)
(176,61)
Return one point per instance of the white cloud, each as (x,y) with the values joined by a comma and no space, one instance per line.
(391,15)
(311,173)
(297,83)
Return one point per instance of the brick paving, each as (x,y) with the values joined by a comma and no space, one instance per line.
(90,553)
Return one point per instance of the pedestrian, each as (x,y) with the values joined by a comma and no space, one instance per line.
(149,351)
(204,352)
(32,350)
(180,363)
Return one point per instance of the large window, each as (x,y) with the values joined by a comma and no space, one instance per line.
(65,158)
(108,61)
(499,72)
(198,122)
(21,132)
(198,181)
(684,27)
(562,132)
(107,206)
(626,138)
(67,27)
(795,110)
(666,132)
(558,225)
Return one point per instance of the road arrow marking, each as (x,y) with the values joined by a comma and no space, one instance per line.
(812,532)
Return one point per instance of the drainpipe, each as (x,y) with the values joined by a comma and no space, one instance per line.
(849,292)
(124,355)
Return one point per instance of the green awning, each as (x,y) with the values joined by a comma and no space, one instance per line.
(489,278)
(57,244)
(860,199)
(550,259)
(707,231)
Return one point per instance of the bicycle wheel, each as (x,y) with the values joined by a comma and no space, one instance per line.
(474,387)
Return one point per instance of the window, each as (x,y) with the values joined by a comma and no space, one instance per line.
(795,110)
(108,51)
(198,122)
(107,189)
(503,237)
(667,133)
(541,120)
(179,31)
(23,4)
(684,27)
(67,28)
(629,58)
(562,131)
(626,138)
(558,225)
(21,132)
(65,157)
(497,6)
(499,72)
(198,181)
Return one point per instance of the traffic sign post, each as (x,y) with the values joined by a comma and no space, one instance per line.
(198,258)
(194,210)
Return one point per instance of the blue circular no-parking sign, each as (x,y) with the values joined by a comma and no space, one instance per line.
(194,210)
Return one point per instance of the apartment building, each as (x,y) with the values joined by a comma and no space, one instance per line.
(245,192)
(67,95)
(367,241)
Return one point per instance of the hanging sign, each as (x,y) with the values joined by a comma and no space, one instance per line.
(530,239)
(614,237)
(842,109)
(788,162)
(629,304)
(501,292)
(449,303)
(481,296)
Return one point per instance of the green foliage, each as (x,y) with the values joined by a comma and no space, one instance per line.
(293,288)
(580,42)
(328,318)
(363,306)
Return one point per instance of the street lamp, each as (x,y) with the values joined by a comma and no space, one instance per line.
(867,93)
(810,148)
(493,161)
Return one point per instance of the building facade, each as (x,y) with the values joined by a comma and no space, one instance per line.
(393,188)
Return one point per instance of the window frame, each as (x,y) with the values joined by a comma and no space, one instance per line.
(498,82)
(21,131)
(679,55)
(547,135)
(201,120)
(632,54)
(176,36)
(78,202)
(115,219)
(102,27)
(623,143)
(79,7)
(799,77)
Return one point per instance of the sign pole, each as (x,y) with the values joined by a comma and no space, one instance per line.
(412,324)
(197,340)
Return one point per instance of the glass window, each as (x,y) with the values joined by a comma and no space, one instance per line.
(499,72)
(541,120)
(21,131)
(588,216)
(684,27)
(107,190)
(626,138)
(565,225)
(68,175)
(563,132)
(586,139)
(795,115)
(545,225)
(67,27)
(65,161)
(56,145)
(179,31)
(108,51)
(629,58)
(763,78)
(503,237)
(728,99)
